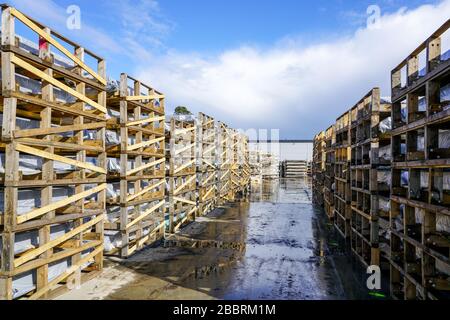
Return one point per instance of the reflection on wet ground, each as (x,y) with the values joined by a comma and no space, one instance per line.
(291,252)
(275,246)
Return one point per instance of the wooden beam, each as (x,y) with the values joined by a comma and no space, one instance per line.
(188,181)
(25,65)
(152,119)
(47,131)
(145,214)
(149,97)
(145,166)
(55,205)
(36,252)
(144,144)
(56,44)
(51,156)
(143,191)
(72,269)
(184,201)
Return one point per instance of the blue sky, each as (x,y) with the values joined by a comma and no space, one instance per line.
(289,65)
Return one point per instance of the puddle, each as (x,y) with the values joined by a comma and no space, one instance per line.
(276,246)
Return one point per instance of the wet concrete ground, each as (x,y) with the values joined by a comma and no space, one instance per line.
(275,246)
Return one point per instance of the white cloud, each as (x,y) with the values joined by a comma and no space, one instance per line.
(299,89)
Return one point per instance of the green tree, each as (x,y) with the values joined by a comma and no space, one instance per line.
(182,110)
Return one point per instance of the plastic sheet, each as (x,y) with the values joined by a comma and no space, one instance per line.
(385,152)
(385,125)
(384,177)
(384,204)
(445,93)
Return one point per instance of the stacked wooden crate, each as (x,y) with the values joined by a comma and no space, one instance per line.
(53,181)
(420,191)
(329,184)
(136,167)
(182,173)
(370,177)
(235,166)
(224,162)
(206,163)
(318,168)
(342,190)
(245,165)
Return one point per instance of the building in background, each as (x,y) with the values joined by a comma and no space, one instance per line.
(285,149)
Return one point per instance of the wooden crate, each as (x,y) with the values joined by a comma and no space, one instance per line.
(136,167)
(53,106)
(245,166)
(235,168)
(370,175)
(318,168)
(330,140)
(224,163)
(420,195)
(181,176)
(342,192)
(206,164)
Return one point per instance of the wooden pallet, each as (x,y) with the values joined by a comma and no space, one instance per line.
(181,176)
(367,187)
(206,164)
(59,125)
(136,171)
(420,245)
(330,140)
(342,192)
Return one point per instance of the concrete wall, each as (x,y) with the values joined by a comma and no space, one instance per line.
(286,150)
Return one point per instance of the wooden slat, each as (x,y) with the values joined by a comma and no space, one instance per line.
(25,65)
(184,166)
(149,97)
(143,191)
(55,205)
(188,181)
(66,273)
(181,150)
(56,44)
(51,156)
(183,131)
(60,145)
(153,119)
(51,244)
(47,131)
(144,144)
(146,213)
(184,201)
(145,166)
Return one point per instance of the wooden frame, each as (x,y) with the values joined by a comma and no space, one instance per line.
(182,198)
(420,247)
(137,186)
(245,166)
(318,168)
(48,126)
(368,138)
(206,164)
(342,193)
(224,162)
(330,141)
